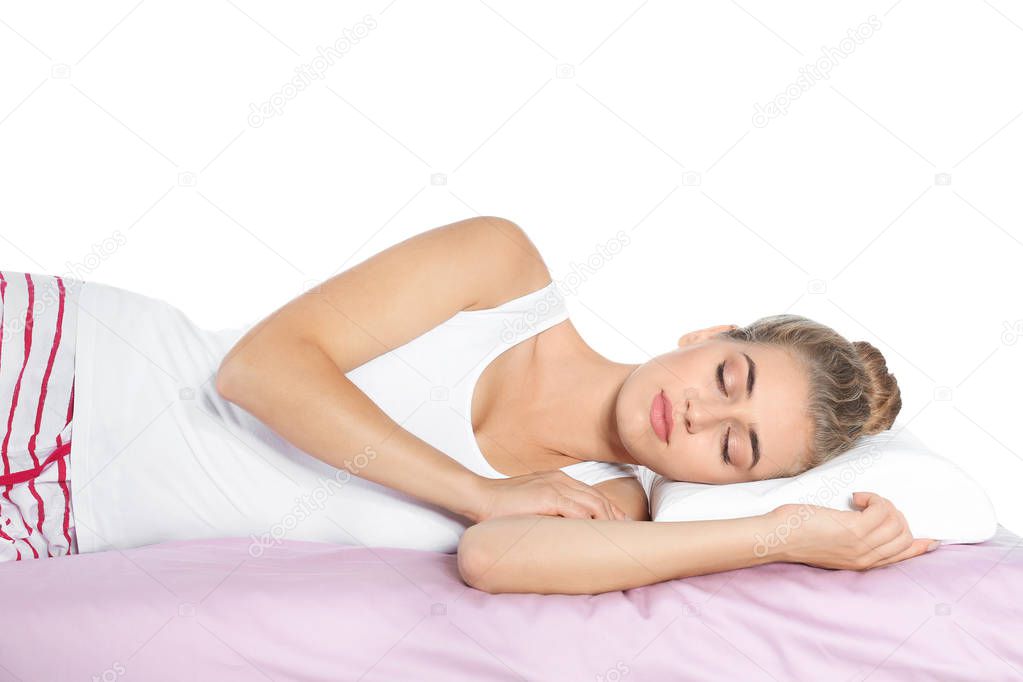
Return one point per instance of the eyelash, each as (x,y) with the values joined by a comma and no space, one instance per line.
(721,385)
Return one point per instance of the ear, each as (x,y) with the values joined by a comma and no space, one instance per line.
(703,334)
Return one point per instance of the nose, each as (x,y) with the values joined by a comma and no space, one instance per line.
(697,416)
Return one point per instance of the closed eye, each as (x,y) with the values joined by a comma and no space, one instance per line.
(721,385)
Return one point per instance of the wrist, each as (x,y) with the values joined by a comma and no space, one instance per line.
(773,536)
(474,497)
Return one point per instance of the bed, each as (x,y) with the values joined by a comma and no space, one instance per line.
(210,610)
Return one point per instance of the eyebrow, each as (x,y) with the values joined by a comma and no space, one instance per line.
(750,382)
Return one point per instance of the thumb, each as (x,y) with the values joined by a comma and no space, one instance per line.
(860,499)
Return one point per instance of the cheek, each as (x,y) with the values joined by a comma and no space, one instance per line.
(633,406)
(699,455)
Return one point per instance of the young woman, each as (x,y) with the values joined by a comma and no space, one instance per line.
(435,396)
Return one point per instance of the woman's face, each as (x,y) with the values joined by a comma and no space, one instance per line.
(706,413)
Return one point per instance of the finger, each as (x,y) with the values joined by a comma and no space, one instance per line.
(916,548)
(866,500)
(571,509)
(565,488)
(587,494)
(612,509)
(613,512)
(591,502)
(889,540)
(875,508)
(866,533)
(603,503)
(890,528)
(892,547)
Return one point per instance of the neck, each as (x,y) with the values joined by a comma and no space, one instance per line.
(573,390)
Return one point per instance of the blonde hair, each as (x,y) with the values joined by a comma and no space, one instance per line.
(851,391)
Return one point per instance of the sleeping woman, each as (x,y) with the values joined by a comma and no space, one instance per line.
(435,396)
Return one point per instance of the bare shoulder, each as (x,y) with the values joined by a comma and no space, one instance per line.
(628,495)
(399,293)
(528,271)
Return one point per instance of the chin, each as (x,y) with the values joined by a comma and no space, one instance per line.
(649,462)
(635,432)
(670,475)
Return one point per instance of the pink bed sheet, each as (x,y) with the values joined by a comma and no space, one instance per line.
(207,610)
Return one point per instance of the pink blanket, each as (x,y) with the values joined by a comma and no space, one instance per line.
(207,610)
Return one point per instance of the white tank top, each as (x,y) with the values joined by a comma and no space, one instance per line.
(158,455)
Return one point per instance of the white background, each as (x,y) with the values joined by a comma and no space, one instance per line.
(884,202)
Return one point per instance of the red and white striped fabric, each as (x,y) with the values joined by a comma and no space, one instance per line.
(38,316)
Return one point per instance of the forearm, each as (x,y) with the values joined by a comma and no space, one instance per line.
(296,390)
(548,554)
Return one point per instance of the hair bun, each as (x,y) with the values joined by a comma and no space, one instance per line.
(880,387)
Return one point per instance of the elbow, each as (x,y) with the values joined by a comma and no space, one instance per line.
(228,380)
(476,564)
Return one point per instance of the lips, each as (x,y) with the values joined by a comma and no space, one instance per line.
(669,416)
(660,416)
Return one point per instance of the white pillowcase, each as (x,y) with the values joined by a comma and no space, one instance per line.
(938,499)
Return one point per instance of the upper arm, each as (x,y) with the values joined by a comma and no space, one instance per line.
(405,290)
(627,494)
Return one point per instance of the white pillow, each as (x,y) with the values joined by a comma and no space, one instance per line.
(937,498)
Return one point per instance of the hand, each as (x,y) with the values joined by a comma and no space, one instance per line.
(876,535)
(553,493)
